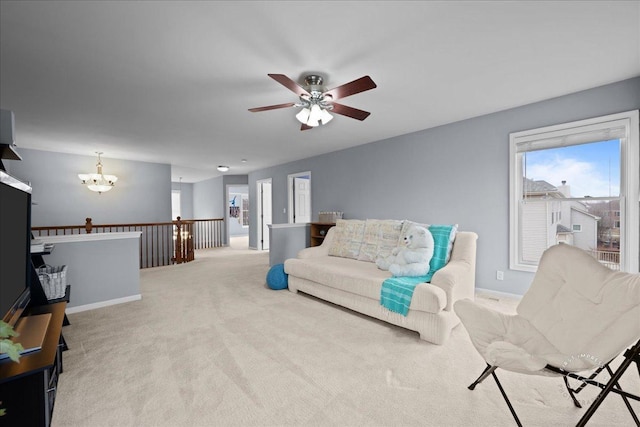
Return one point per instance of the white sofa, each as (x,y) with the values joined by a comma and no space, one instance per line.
(351,279)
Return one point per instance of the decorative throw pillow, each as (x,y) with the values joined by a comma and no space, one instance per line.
(380,237)
(347,238)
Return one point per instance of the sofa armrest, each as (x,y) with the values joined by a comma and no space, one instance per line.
(458,278)
(318,251)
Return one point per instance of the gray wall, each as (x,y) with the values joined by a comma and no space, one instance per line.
(286,241)
(99,272)
(142,193)
(208,199)
(457,173)
(210,195)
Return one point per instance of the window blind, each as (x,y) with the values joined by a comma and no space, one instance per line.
(604,131)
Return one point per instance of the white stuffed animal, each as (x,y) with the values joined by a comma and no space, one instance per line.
(413,258)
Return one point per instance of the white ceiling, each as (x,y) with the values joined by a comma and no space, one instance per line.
(171,82)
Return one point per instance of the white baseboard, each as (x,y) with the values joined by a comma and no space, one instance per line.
(101,304)
(498,294)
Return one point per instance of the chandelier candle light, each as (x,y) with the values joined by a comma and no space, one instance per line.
(98,182)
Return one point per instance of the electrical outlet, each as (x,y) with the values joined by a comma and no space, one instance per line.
(499,275)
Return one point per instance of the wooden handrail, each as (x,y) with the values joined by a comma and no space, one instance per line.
(88,226)
(161,243)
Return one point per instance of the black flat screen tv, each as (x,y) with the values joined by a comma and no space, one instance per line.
(15,247)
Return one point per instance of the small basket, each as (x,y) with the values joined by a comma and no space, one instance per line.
(53,280)
(329,217)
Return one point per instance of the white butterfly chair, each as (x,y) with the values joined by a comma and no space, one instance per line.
(577,316)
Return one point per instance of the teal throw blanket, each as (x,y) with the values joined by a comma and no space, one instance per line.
(396,292)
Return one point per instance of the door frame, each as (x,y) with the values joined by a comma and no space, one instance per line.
(260,213)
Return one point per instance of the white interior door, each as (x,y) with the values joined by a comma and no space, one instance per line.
(265,214)
(299,189)
(302,204)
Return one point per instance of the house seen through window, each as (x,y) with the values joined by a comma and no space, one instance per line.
(577,184)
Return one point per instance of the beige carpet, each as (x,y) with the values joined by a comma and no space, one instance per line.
(210,345)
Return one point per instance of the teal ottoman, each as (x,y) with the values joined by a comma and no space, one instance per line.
(276,277)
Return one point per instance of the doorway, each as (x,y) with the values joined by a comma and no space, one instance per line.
(299,185)
(264,211)
(237,216)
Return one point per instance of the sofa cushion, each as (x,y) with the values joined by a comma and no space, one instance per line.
(380,237)
(361,278)
(347,239)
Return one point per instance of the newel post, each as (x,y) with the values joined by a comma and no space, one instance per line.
(88,226)
(190,254)
(178,247)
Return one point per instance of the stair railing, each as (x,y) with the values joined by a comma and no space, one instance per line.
(161,243)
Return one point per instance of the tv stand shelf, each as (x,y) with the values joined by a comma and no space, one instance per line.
(37,292)
(318,231)
(28,388)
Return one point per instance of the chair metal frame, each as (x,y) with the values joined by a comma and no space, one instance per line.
(631,355)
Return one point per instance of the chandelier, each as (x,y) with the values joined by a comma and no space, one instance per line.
(315,109)
(98,182)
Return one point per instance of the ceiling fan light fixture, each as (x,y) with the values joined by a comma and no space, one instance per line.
(303,115)
(315,116)
(317,102)
(325,117)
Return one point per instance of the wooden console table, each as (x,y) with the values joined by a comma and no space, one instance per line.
(318,230)
(28,389)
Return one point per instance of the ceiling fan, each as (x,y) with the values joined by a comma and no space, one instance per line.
(316,101)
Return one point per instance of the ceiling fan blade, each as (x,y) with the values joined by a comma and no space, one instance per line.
(305,127)
(360,85)
(272,107)
(354,113)
(289,84)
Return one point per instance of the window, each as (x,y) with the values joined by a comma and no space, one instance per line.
(239,208)
(245,210)
(576,183)
(175,204)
